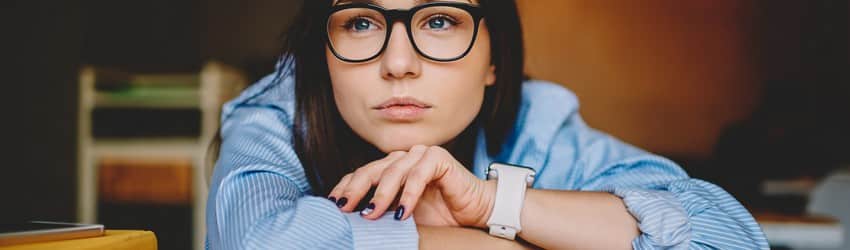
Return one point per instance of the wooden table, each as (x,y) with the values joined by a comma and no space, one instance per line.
(112,239)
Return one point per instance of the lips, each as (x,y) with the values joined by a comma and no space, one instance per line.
(402,109)
(402,101)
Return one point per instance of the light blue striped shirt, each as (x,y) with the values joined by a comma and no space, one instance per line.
(260,198)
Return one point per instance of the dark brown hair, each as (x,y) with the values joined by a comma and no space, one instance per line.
(328,148)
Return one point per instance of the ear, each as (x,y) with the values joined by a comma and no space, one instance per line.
(490,79)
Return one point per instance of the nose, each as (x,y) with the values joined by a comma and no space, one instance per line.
(399,59)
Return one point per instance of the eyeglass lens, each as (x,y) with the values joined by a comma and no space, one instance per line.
(441,32)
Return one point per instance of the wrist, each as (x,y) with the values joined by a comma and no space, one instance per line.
(512,181)
(488,200)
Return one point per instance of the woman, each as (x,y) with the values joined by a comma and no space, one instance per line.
(416,100)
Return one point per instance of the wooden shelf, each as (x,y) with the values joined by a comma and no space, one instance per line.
(126,164)
(148,147)
(109,100)
(145,180)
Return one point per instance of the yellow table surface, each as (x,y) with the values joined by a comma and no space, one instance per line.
(112,239)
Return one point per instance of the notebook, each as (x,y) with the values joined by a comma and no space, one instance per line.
(40,231)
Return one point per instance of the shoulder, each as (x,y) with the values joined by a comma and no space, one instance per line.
(273,94)
(551,135)
(546,103)
(549,117)
(256,131)
(544,109)
(549,92)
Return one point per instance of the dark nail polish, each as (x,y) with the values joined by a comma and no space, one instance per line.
(399,212)
(333,199)
(368,210)
(341,202)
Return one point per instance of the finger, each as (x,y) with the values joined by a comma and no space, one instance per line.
(390,183)
(430,167)
(336,192)
(362,180)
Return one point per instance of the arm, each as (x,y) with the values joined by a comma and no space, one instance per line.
(261,210)
(628,198)
(672,209)
(642,209)
(594,220)
(431,237)
(669,208)
(259,196)
(555,219)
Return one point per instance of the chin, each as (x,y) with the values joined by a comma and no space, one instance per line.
(397,144)
(390,142)
(391,147)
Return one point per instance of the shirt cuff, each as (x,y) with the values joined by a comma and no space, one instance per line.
(662,219)
(383,233)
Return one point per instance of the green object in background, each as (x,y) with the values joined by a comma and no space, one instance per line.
(150,96)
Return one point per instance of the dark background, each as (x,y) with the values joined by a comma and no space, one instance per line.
(45,43)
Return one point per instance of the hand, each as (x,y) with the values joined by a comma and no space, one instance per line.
(434,187)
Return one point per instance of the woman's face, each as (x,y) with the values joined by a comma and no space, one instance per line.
(401,99)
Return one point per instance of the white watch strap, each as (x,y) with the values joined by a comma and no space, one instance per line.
(511,183)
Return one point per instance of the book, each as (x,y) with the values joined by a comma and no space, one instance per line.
(41,231)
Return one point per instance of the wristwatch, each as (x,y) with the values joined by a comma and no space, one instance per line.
(511,182)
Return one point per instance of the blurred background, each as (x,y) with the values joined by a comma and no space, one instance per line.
(111,103)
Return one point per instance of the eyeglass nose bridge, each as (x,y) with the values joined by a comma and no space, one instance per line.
(404,16)
(395,15)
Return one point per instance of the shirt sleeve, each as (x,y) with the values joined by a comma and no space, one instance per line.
(673,210)
(259,196)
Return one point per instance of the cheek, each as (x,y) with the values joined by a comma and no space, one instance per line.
(465,81)
(347,80)
(460,105)
(350,89)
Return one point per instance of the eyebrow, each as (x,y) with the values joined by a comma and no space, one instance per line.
(415,2)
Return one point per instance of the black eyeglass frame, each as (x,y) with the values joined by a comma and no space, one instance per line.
(393,15)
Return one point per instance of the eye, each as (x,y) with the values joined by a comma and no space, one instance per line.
(440,22)
(359,24)
(362,24)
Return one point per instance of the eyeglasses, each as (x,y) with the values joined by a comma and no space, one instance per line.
(439,31)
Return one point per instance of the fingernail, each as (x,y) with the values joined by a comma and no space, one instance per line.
(341,202)
(333,199)
(368,210)
(399,212)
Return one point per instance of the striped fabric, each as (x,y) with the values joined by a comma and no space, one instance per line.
(260,199)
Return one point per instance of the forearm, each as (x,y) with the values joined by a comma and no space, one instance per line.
(431,237)
(579,220)
(571,219)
